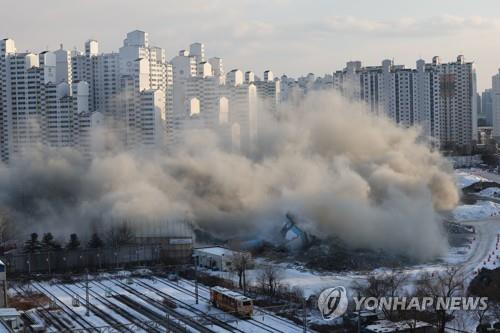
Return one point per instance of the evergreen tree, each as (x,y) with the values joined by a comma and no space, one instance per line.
(48,242)
(95,242)
(32,245)
(73,243)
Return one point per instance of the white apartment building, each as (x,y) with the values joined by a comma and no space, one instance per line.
(495,107)
(202,98)
(217,69)
(268,92)
(441,98)
(183,68)
(7,48)
(458,104)
(241,124)
(57,98)
(21,107)
(40,105)
(153,118)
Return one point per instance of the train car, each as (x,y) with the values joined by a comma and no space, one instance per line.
(231,301)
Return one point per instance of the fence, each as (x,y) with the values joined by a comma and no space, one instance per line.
(111,257)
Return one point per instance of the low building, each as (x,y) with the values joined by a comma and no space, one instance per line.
(387,326)
(3,285)
(10,320)
(217,258)
(173,250)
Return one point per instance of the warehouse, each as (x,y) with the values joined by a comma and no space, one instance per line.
(217,258)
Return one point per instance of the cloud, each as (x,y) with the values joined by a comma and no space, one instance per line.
(436,26)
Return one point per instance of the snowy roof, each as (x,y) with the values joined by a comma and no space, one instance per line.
(232,294)
(9,312)
(387,326)
(216,250)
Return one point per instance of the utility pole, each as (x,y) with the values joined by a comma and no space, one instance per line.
(48,263)
(196,278)
(168,324)
(244,276)
(304,305)
(87,313)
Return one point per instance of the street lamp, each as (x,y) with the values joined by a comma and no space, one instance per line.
(48,263)
(99,260)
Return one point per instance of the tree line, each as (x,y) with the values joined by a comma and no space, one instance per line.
(118,235)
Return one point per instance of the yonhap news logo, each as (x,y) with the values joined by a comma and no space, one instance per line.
(332,302)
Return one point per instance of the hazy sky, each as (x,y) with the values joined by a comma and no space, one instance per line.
(286,36)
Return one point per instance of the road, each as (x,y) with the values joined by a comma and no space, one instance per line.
(486,235)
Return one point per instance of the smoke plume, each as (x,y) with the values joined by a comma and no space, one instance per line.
(347,172)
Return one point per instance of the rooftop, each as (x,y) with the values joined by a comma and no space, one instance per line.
(9,312)
(387,326)
(216,250)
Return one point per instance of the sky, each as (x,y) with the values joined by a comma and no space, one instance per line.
(292,37)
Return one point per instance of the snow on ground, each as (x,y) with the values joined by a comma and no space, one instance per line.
(310,282)
(479,210)
(466,177)
(147,294)
(456,255)
(493,259)
(491,192)
(313,282)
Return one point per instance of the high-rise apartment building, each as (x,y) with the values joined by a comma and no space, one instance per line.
(487,107)
(7,48)
(439,97)
(495,105)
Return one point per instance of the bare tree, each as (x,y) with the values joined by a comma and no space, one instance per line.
(120,234)
(6,225)
(389,284)
(269,279)
(240,262)
(445,284)
(487,316)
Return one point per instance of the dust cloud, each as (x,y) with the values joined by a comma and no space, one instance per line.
(347,172)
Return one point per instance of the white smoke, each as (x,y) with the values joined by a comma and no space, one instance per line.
(349,173)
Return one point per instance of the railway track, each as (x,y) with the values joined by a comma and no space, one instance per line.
(159,315)
(260,310)
(85,325)
(147,327)
(112,322)
(182,318)
(256,323)
(214,320)
(49,318)
(171,324)
(166,322)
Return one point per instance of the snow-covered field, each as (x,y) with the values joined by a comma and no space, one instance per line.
(477,211)
(481,209)
(466,177)
(493,259)
(312,282)
(490,192)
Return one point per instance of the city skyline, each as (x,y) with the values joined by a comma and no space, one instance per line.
(312,39)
